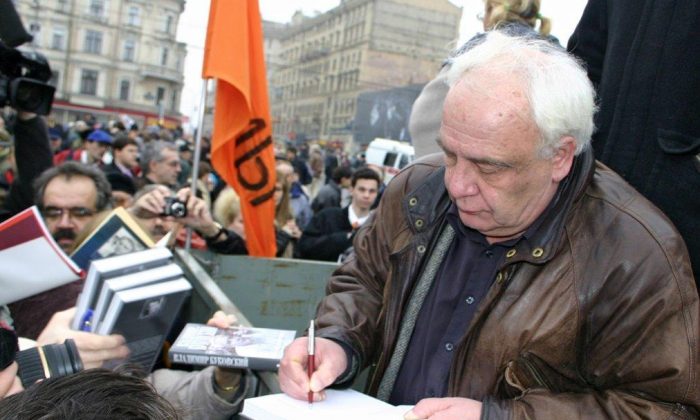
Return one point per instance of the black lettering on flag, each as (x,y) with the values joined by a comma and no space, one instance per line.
(257,125)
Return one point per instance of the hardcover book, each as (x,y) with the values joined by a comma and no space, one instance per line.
(236,347)
(117,234)
(144,316)
(31,260)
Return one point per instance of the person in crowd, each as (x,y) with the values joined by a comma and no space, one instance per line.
(212,393)
(330,194)
(155,224)
(160,163)
(299,199)
(300,166)
(647,73)
(123,189)
(517,16)
(513,276)
(69,196)
(285,223)
(55,141)
(94,148)
(125,153)
(186,153)
(93,393)
(331,230)
(317,166)
(227,211)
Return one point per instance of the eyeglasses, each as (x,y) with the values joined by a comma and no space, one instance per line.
(73,212)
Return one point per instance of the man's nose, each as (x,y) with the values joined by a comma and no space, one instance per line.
(462,181)
(65,221)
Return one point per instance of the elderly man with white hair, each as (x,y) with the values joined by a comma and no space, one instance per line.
(512,276)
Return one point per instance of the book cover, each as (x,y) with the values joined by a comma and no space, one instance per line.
(24,241)
(144,316)
(101,270)
(117,234)
(236,347)
(142,278)
(338,405)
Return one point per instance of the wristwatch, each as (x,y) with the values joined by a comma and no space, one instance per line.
(220,230)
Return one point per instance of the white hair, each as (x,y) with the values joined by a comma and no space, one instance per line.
(560,95)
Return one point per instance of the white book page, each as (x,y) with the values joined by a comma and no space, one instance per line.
(338,405)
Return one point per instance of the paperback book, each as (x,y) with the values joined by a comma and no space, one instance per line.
(236,347)
(31,260)
(117,234)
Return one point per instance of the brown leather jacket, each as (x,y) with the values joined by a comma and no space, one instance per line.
(596,317)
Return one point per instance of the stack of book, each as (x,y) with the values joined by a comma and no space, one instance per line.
(137,295)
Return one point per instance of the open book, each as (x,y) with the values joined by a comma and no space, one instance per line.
(31,261)
(344,404)
(236,347)
(118,234)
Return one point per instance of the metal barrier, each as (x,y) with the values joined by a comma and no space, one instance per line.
(261,292)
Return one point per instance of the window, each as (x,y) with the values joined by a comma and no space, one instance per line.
(35,29)
(129,50)
(168,23)
(164,57)
(124,87)
(133,17)
(160,95)
(93,42)
(173,99)
(58,39)
(62,5)
(88,82)
(96,8)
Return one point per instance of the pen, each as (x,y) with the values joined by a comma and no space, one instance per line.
(310,362)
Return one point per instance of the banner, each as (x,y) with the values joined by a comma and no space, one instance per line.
(242,150)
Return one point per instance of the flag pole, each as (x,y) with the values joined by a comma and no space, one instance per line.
(197,153)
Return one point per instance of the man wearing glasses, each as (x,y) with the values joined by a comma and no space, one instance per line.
(69,196)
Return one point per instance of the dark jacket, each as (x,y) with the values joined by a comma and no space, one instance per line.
(235,245)
(326,236)
(596,316)
(645,62)
(328,196)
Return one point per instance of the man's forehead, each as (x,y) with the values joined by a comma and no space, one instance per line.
(63,186)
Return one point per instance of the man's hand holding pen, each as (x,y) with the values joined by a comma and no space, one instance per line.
(330,361)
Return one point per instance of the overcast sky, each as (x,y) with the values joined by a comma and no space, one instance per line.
(193,26)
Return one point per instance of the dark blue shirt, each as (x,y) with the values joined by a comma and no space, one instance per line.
(458,289)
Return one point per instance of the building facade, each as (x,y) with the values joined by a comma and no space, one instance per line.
(110,57)
(327,61)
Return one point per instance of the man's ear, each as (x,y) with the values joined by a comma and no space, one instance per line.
(563,158)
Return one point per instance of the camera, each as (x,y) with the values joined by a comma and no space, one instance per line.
(50,361)
(174,207)
(23,74)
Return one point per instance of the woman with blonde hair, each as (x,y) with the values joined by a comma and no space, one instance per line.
(526,12)
(516,18)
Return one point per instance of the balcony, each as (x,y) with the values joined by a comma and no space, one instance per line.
(149,71)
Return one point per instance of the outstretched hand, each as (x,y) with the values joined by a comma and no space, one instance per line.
(94,349)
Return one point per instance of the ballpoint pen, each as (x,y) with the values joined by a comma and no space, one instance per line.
(310,361)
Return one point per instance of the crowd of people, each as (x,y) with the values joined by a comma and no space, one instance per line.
(509,275)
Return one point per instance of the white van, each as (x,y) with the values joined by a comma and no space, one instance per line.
(392,155)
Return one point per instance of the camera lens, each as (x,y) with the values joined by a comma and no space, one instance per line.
(178,209)
(51,361)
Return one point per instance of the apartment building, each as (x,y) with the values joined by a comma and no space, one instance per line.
(110,57)
(328,60)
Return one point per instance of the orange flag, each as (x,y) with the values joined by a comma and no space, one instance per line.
(242,150)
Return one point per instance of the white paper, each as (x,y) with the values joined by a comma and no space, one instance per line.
(338,405)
